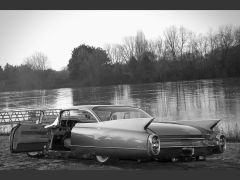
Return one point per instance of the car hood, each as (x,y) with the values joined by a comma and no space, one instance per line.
(172,129)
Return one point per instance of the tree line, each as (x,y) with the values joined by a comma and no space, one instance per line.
(32,74)
(179,54)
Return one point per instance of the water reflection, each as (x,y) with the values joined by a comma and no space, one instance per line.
(203,99)
(92,95)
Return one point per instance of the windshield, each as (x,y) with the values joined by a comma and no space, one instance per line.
(116,112)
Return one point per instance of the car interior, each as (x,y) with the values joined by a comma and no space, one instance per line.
(61,134)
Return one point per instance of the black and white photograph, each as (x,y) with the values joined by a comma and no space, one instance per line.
(119,90)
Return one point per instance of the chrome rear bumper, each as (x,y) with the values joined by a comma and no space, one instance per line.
(183,151)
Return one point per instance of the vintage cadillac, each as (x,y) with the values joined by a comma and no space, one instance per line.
(107,132)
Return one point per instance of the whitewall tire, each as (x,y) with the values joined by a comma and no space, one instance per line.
(35,154)
(103,159)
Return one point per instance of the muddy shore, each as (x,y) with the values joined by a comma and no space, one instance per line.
(67,161)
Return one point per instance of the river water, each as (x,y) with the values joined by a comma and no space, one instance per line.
(182,100)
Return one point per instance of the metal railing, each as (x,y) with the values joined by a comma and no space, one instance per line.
(9,118)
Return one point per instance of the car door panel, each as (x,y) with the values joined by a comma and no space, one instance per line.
(28,137)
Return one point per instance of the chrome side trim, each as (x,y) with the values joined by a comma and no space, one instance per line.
(109,147)
(182,138)
(186,146)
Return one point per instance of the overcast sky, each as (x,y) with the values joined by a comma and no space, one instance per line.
(56,33)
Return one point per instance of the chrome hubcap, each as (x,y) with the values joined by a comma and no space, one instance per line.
(33,153)
(102,159)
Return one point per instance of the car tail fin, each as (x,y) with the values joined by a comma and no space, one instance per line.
(149,122)
(206,124)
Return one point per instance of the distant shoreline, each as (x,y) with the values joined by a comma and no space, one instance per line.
(75,85)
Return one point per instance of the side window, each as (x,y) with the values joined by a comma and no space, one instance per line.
(87,117)
(78,115)
(65,115)
(120,115)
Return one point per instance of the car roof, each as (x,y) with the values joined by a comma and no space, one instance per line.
(83,107)
(90,107)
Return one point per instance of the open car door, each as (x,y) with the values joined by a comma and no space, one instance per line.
(28,137)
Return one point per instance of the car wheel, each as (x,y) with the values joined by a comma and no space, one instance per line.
(103,159)
(222,144)
(35,154)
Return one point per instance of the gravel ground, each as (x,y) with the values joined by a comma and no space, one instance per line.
(66,161)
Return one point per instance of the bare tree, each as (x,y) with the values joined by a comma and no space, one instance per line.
(193,45)
(202,45)
(109,51)
(151,46)
(37,61)
(237,35)
(183,37)
(141,44)
(226,37)
(123,54)
(172,40)
(213,41)
(159,47)
(156,47)
(206,47)
(129,46)
(117,53)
